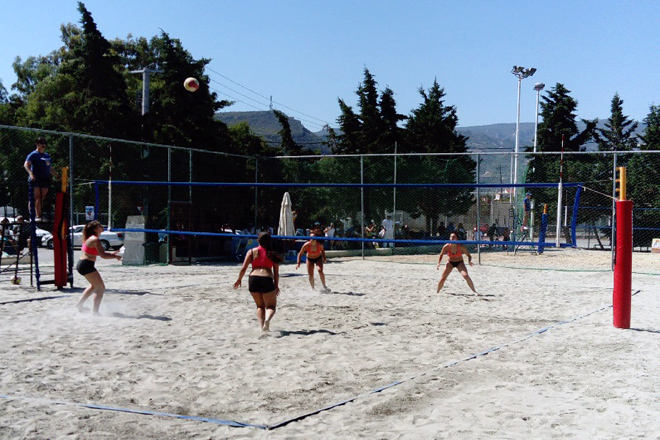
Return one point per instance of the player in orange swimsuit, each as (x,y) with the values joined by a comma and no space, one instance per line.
(455,253)
(315,255)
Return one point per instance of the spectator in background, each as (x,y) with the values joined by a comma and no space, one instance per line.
(388,230)
(441,230)
(462,233)
(37,164)
(405,230)
(492,231)
(527,207)
(21,234)
(249,229)
(506,235)
(316,230)
(370,231)
(398,234)
(5,234)
(330,233)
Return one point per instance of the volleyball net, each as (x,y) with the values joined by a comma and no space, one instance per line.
(206,197)
(219,219)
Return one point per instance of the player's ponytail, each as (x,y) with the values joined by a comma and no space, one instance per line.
(265,241)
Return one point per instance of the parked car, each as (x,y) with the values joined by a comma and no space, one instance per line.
(47,241)
(41,234)
(109,239)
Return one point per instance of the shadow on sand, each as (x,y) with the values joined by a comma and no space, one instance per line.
(303,332)
(157,318)
(343,293)
(117,291)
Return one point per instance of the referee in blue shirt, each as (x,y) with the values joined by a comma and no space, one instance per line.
(37,164)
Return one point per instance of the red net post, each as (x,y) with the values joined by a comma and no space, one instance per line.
(623,264)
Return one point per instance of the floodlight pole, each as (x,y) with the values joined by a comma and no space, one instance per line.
(146,72)
(515,156)
(538,87)
(520,73)
(145,86)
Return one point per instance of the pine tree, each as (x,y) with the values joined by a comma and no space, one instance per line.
(373,130)
(619,131)
(97,100)
(643,186)
(431,128)
(617,136)
(650,140)
(558,131)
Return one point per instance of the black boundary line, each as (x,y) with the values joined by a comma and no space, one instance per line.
(448,365)
(17,301)
(326,408)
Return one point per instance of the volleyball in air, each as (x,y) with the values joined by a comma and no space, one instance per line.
(16,280)
(191,84)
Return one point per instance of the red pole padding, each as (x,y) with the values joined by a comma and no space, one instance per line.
(60,244)
(623,264)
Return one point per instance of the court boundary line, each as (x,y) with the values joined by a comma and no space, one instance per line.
(270,427)
(41,298)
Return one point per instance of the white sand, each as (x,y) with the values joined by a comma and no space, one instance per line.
(180,340)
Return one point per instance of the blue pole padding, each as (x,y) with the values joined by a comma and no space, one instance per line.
(576,205)
(33,228)
(544,228)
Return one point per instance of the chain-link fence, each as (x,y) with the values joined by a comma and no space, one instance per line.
(425,196)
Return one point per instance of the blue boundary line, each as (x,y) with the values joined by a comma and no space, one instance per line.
(231,423)
(271,427)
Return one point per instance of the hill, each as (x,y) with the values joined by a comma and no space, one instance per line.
(486,138)
(481,138)
(266,125)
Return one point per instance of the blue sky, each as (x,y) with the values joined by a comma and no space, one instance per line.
(306,54)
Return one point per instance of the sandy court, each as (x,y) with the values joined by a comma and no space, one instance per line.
(180,340)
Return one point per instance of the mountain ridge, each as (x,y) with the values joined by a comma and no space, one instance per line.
(490,137)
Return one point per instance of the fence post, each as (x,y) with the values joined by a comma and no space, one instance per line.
(110,191)
(362,201)
(477,232)
(190,174)
(394,201)
(71,210)
(169,204)
(256,189)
